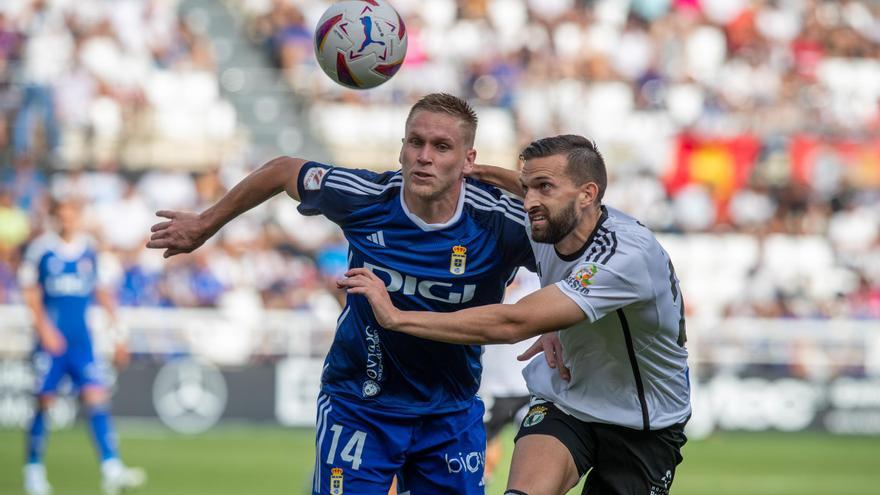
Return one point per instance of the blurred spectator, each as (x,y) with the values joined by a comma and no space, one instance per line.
(864,303)
(124,223)
(854,230)
(141,283)
(14,223)
(27,182)
(48,47)
(102,80)
(9,293)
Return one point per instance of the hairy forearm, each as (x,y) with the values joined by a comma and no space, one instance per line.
(275,176)
(493,324)
(500,177)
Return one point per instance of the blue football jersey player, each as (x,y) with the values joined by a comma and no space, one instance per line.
(463,262)
(59,280)
(391,404)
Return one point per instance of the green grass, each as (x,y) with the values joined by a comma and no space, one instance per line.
(239,460)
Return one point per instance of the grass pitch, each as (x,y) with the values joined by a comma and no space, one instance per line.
(269,460)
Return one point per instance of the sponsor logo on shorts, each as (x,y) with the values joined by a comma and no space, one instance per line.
(472,462)
(662,488)
(536,415)
(336,481)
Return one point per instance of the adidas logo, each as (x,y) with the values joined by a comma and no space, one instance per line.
(377,238)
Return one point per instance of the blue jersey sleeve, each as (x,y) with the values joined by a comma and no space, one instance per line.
(508,221)
(336,192)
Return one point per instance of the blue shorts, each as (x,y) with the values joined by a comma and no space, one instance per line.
(360,449)
(77,362)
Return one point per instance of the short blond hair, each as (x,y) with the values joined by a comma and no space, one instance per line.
(450,105)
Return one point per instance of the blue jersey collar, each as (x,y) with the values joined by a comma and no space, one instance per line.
(428,227)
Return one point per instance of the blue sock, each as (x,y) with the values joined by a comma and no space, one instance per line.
(102,430)
(36,440)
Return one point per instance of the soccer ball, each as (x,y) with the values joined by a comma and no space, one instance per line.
(360,43)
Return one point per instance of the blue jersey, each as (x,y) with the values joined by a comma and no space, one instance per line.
(68,276)
(463,263)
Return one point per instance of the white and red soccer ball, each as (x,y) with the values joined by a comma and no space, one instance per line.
(360,43)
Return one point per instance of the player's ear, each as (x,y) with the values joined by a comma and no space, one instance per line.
(400,155)
(589,194)
(470,160)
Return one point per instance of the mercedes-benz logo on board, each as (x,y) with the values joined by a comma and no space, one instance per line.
(189,396)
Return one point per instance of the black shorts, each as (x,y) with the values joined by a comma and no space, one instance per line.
(619,460)
(505,410)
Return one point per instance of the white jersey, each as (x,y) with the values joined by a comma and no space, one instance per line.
(627,358)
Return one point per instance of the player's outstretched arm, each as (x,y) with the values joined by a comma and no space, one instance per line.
(542,311)
(185,231)
(499,177)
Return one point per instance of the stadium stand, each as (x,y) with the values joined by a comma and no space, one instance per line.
(743,131)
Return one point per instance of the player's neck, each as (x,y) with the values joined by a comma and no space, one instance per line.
(68,236)
(576,239)
(433,211)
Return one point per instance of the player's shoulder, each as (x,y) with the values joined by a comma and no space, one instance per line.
(41,245)
(621,242)
(489,192)
(485,200)
(316,175)
(626,225)
(90,244)
(50,242)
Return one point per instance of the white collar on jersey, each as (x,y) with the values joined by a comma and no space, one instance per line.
(428,227)
(69,250)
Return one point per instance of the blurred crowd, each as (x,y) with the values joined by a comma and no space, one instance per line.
(762,66)
(645,77)
(86,81)
(660,84)
(272,254)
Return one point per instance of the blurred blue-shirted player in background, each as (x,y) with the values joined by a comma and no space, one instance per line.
(59,280)
(393,404)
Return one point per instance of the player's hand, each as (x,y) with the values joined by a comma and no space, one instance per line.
(121,356)
(53,342)
(365,282)
(183,233)
(550,345)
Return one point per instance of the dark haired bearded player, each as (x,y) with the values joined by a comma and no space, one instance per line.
(612,288)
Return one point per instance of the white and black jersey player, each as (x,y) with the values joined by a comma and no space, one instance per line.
(612,288)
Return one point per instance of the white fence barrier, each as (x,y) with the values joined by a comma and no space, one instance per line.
(746,374)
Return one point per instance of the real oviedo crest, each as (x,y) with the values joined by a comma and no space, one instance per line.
(458,261)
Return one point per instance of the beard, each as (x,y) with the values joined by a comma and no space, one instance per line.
(557,225)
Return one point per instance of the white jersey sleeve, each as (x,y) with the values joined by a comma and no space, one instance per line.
(600,289)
